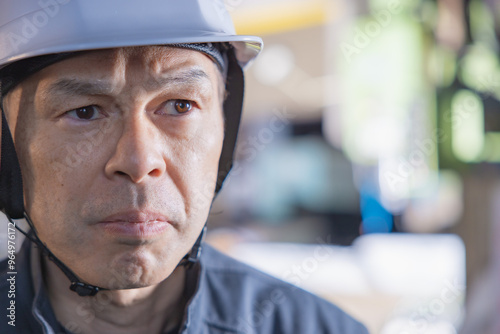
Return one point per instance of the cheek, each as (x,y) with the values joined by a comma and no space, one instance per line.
(199,167)
(45,169)
(57,173)
(34,155)
(45,194)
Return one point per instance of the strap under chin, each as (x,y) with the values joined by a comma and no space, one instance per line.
(194,255)
(81,288)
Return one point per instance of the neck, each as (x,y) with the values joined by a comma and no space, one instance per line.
(152,309)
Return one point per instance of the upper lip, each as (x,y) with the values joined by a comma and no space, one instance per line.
(136,217)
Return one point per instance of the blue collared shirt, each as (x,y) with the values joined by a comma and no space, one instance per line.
(229,297)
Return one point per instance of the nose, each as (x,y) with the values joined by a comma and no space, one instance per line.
(138,154)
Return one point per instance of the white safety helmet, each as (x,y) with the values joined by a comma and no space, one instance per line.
(31,29)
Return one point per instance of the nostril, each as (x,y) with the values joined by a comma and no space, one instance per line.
(155,172)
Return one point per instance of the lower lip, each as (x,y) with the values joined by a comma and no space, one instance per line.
(135,230)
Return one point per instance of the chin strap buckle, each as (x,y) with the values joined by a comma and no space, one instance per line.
(84,290)
(195,253)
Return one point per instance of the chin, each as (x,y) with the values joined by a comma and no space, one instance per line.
(124,282)
(132,277)
(139,268)
(133,286)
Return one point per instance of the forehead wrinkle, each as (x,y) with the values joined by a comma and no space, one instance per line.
(82,87)
(113,69)
(194,76)
(166,66)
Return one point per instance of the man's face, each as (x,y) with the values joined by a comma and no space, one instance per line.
(119,152)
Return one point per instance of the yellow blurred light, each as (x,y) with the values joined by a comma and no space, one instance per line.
(280,17)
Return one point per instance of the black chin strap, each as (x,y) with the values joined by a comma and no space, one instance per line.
(81,288)
(194,255)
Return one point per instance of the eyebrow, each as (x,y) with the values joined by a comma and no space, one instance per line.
(98,87)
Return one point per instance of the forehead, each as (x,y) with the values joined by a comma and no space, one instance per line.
(148,60)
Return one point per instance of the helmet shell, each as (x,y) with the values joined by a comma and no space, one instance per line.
(30,28)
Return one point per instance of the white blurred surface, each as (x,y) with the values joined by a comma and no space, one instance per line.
(394,283)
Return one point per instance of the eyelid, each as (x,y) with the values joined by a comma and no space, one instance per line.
(99,113)
(171,104)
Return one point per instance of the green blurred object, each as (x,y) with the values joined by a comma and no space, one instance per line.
(480,69)
(467,126)
(482,24)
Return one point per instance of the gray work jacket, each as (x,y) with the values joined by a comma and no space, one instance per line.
(228,297)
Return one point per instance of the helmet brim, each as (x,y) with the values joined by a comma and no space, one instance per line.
(247,48)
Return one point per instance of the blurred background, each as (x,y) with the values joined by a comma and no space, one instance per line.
(367,165)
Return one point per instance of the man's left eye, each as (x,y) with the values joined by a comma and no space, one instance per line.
(88,113)
(178,107)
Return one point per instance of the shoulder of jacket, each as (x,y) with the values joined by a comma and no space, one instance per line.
(254,295)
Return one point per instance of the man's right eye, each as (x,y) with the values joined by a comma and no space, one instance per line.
(88,113)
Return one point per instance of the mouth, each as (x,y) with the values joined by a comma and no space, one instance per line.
(135,224)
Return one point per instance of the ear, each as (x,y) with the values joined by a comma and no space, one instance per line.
(11,185)
(1,111)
